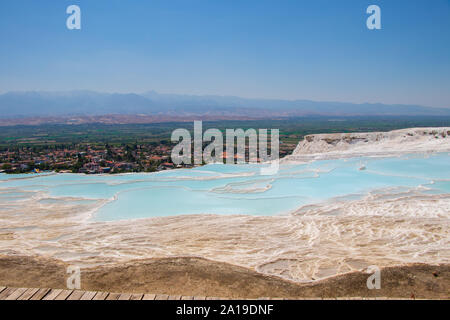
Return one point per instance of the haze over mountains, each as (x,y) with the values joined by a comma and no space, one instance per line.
(90,103)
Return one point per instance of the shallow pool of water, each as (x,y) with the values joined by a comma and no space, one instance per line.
(234,189)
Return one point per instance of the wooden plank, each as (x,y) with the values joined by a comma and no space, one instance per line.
(101,296)
(28,294)
(200,298)
(76,295)
(5,293)
(149,297)
(187,298)
(136,296)
(174,298)
(2,288)
(63,295)
(124,296)
(41,293)
(113,296)
(16,294)
(212,298)
(52,294)
(161,297)
(88,295)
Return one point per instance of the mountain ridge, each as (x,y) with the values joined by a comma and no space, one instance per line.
(84,102)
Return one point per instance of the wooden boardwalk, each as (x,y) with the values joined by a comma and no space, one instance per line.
(9,293)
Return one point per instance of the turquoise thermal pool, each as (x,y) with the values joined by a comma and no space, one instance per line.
(233,189)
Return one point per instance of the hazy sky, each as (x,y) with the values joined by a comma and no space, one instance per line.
(315,49)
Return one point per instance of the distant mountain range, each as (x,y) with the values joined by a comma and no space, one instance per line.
(89,103)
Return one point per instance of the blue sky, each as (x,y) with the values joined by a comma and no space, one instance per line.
(319,50)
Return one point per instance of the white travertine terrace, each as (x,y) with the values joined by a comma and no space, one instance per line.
(314,242)
(340,145)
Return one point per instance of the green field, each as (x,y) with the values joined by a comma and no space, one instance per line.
(291,130)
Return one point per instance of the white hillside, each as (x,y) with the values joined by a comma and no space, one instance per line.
(337,145)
